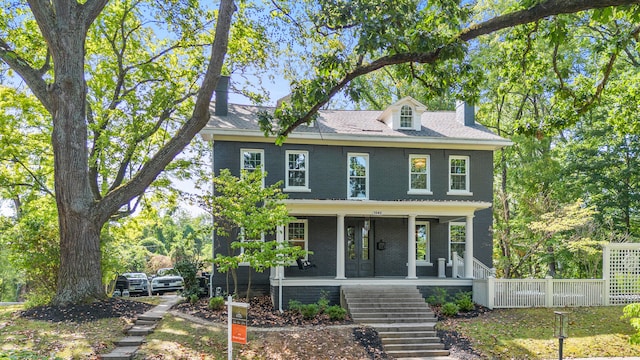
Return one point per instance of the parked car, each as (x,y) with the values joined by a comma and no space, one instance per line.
(166,281)
(138,283)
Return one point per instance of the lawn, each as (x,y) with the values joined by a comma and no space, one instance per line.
(528,333)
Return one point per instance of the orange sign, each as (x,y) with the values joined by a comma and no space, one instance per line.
(239,333)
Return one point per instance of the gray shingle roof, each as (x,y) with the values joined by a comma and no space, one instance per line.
(435,124)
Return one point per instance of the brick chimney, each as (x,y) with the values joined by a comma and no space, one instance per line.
(222,96)
(465,113)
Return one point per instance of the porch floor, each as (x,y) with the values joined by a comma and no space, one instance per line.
(377,281)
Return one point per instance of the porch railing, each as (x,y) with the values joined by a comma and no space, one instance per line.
(480,270)
(517,293)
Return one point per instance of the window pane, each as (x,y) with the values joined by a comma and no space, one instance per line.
(458,182)
(458,233)
(251,160)
(406,116)
(418,181)
(365,244)
(351,243)
(419,165)
(358,188)
(421,242)
(357,166)
(296,178)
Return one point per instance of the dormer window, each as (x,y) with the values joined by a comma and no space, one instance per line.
(406,117)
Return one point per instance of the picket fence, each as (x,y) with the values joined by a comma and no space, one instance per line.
(620,285)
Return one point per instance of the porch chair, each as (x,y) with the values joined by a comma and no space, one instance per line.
(304,264)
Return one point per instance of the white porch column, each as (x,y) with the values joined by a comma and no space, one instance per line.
(280,239)
(468,249)
(340,248)
(411,250)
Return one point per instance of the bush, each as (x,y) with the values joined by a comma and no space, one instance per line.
(438,297)
(295,305)
(465,302)
(450,309)
(309,311)
(336,313)
(216,303)
(193,298)
(323,302)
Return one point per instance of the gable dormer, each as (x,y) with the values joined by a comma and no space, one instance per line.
(405,114)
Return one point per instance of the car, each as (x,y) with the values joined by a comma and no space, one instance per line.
(138,283)
(166,281)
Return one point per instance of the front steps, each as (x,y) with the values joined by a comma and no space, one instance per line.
(403,320)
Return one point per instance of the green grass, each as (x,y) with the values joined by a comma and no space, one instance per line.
(528,333)
(29,339)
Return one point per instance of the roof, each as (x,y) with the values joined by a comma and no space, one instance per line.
(356,125)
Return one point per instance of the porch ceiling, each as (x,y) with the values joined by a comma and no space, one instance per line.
(421,208)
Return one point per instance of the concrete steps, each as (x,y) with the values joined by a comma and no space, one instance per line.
(403,320)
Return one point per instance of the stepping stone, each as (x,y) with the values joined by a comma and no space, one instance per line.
(121,353)
(130,341)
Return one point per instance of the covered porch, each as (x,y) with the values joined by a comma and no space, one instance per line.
(353,249)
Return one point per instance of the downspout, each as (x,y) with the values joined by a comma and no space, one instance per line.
(213,225)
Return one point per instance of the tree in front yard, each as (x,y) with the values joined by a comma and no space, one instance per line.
(245,212)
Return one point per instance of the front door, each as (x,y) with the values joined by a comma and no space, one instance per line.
(359,259)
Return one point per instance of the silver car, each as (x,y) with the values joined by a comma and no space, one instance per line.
(138,283)
(166,282)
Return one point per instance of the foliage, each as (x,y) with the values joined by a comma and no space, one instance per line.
(245,207)
(464,301)
(216,303)
(309,311)
(294,305)
(450,309)
(188,268)
(632,313)
(336,312)
(438,297)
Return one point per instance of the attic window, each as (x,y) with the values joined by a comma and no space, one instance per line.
(406,116)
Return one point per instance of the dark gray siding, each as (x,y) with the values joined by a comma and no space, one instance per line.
(306,294)
(322,242)
(389,170)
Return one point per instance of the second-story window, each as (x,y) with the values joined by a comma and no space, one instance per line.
(459,175)
(419,177)
(406,116)
(297,171)
(252,160)
(358,176)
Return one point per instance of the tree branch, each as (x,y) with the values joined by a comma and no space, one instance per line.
(537,12)
(123,194)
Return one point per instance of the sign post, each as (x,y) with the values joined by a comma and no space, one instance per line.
(236,325)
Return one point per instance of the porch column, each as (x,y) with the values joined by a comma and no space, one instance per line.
(340,248)
(468,249)
(280,239)
(411,251)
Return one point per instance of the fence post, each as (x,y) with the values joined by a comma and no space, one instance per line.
(491,292)
(549,292)
(606,274)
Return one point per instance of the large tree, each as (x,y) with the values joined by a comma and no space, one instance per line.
(46,43)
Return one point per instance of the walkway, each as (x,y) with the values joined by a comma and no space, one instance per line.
(145,323)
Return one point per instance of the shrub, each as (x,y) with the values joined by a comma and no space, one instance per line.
(323,302)
(336,313)
(309,311)
(216,303)
(450,309)
(295,305)
(464,301)
(438,297)
(193,298)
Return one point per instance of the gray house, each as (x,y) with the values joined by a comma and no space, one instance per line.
(400,196)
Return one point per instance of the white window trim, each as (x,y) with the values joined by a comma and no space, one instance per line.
(288,188)
(244,263)
(428,254)
(450,256)
(467,190)
(366,156)
(262,165)
(426,191)
(306,235)
(413,118)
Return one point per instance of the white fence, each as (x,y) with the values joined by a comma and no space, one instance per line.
(516,293)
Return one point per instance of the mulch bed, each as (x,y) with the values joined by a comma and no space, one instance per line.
(80,313)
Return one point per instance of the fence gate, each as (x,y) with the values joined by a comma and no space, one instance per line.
(621,269)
